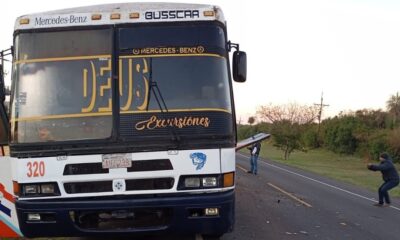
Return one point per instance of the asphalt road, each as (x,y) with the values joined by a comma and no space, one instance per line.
(286,203)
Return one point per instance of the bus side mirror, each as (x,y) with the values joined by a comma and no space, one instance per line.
(239,66)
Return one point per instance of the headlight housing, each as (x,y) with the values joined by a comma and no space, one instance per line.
(39,189)
(209,181)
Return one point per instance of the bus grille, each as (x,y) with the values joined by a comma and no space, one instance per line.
(131,185)
(84,168)
(123,219)
(150,165)
(88,187)
(149,184)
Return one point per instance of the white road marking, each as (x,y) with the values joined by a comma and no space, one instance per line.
(241,168)
(320,182)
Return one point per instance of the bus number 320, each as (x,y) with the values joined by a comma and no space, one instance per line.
(36,169)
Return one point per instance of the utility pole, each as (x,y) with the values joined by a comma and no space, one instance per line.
(321,107)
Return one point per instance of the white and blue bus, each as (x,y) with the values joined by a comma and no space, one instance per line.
(121,121)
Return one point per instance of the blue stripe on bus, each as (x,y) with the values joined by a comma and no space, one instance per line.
(5,210)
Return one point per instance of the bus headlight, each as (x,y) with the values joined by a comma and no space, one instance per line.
(209,181)
(30,189)
(39,189)
(190,182)
(47,188)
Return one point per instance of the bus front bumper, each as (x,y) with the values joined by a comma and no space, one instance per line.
(127,215)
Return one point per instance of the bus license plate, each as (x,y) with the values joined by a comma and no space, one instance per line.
(117,160)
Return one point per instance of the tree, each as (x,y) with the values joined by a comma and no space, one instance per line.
(287,137)
(292,112)
(288,123)
(393,106)
(251,120)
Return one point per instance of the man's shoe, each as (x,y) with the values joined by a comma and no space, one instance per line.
(378,204)
(249,172)
(386,205)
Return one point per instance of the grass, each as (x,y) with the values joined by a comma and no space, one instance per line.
(348,169)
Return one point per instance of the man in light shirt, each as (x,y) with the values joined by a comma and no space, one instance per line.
(254,151)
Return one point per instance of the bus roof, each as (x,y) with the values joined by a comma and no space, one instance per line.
(110,14)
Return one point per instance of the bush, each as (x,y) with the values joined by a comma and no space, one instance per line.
(245,131)
(310,138)
(377,144)
(339,136)
(263,127)
(345,141)
(393,142)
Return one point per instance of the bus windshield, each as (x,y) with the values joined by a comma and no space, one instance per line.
(64,90)
(52,73)
(184,65)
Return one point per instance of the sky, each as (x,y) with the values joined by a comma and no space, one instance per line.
(347,49)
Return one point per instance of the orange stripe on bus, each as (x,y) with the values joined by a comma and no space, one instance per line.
(6,195)
(6,231)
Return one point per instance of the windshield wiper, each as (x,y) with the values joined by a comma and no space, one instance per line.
(153,88)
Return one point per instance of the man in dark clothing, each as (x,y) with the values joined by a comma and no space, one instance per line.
(254,151)
(389,175)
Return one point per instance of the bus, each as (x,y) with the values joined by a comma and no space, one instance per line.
(121,122)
